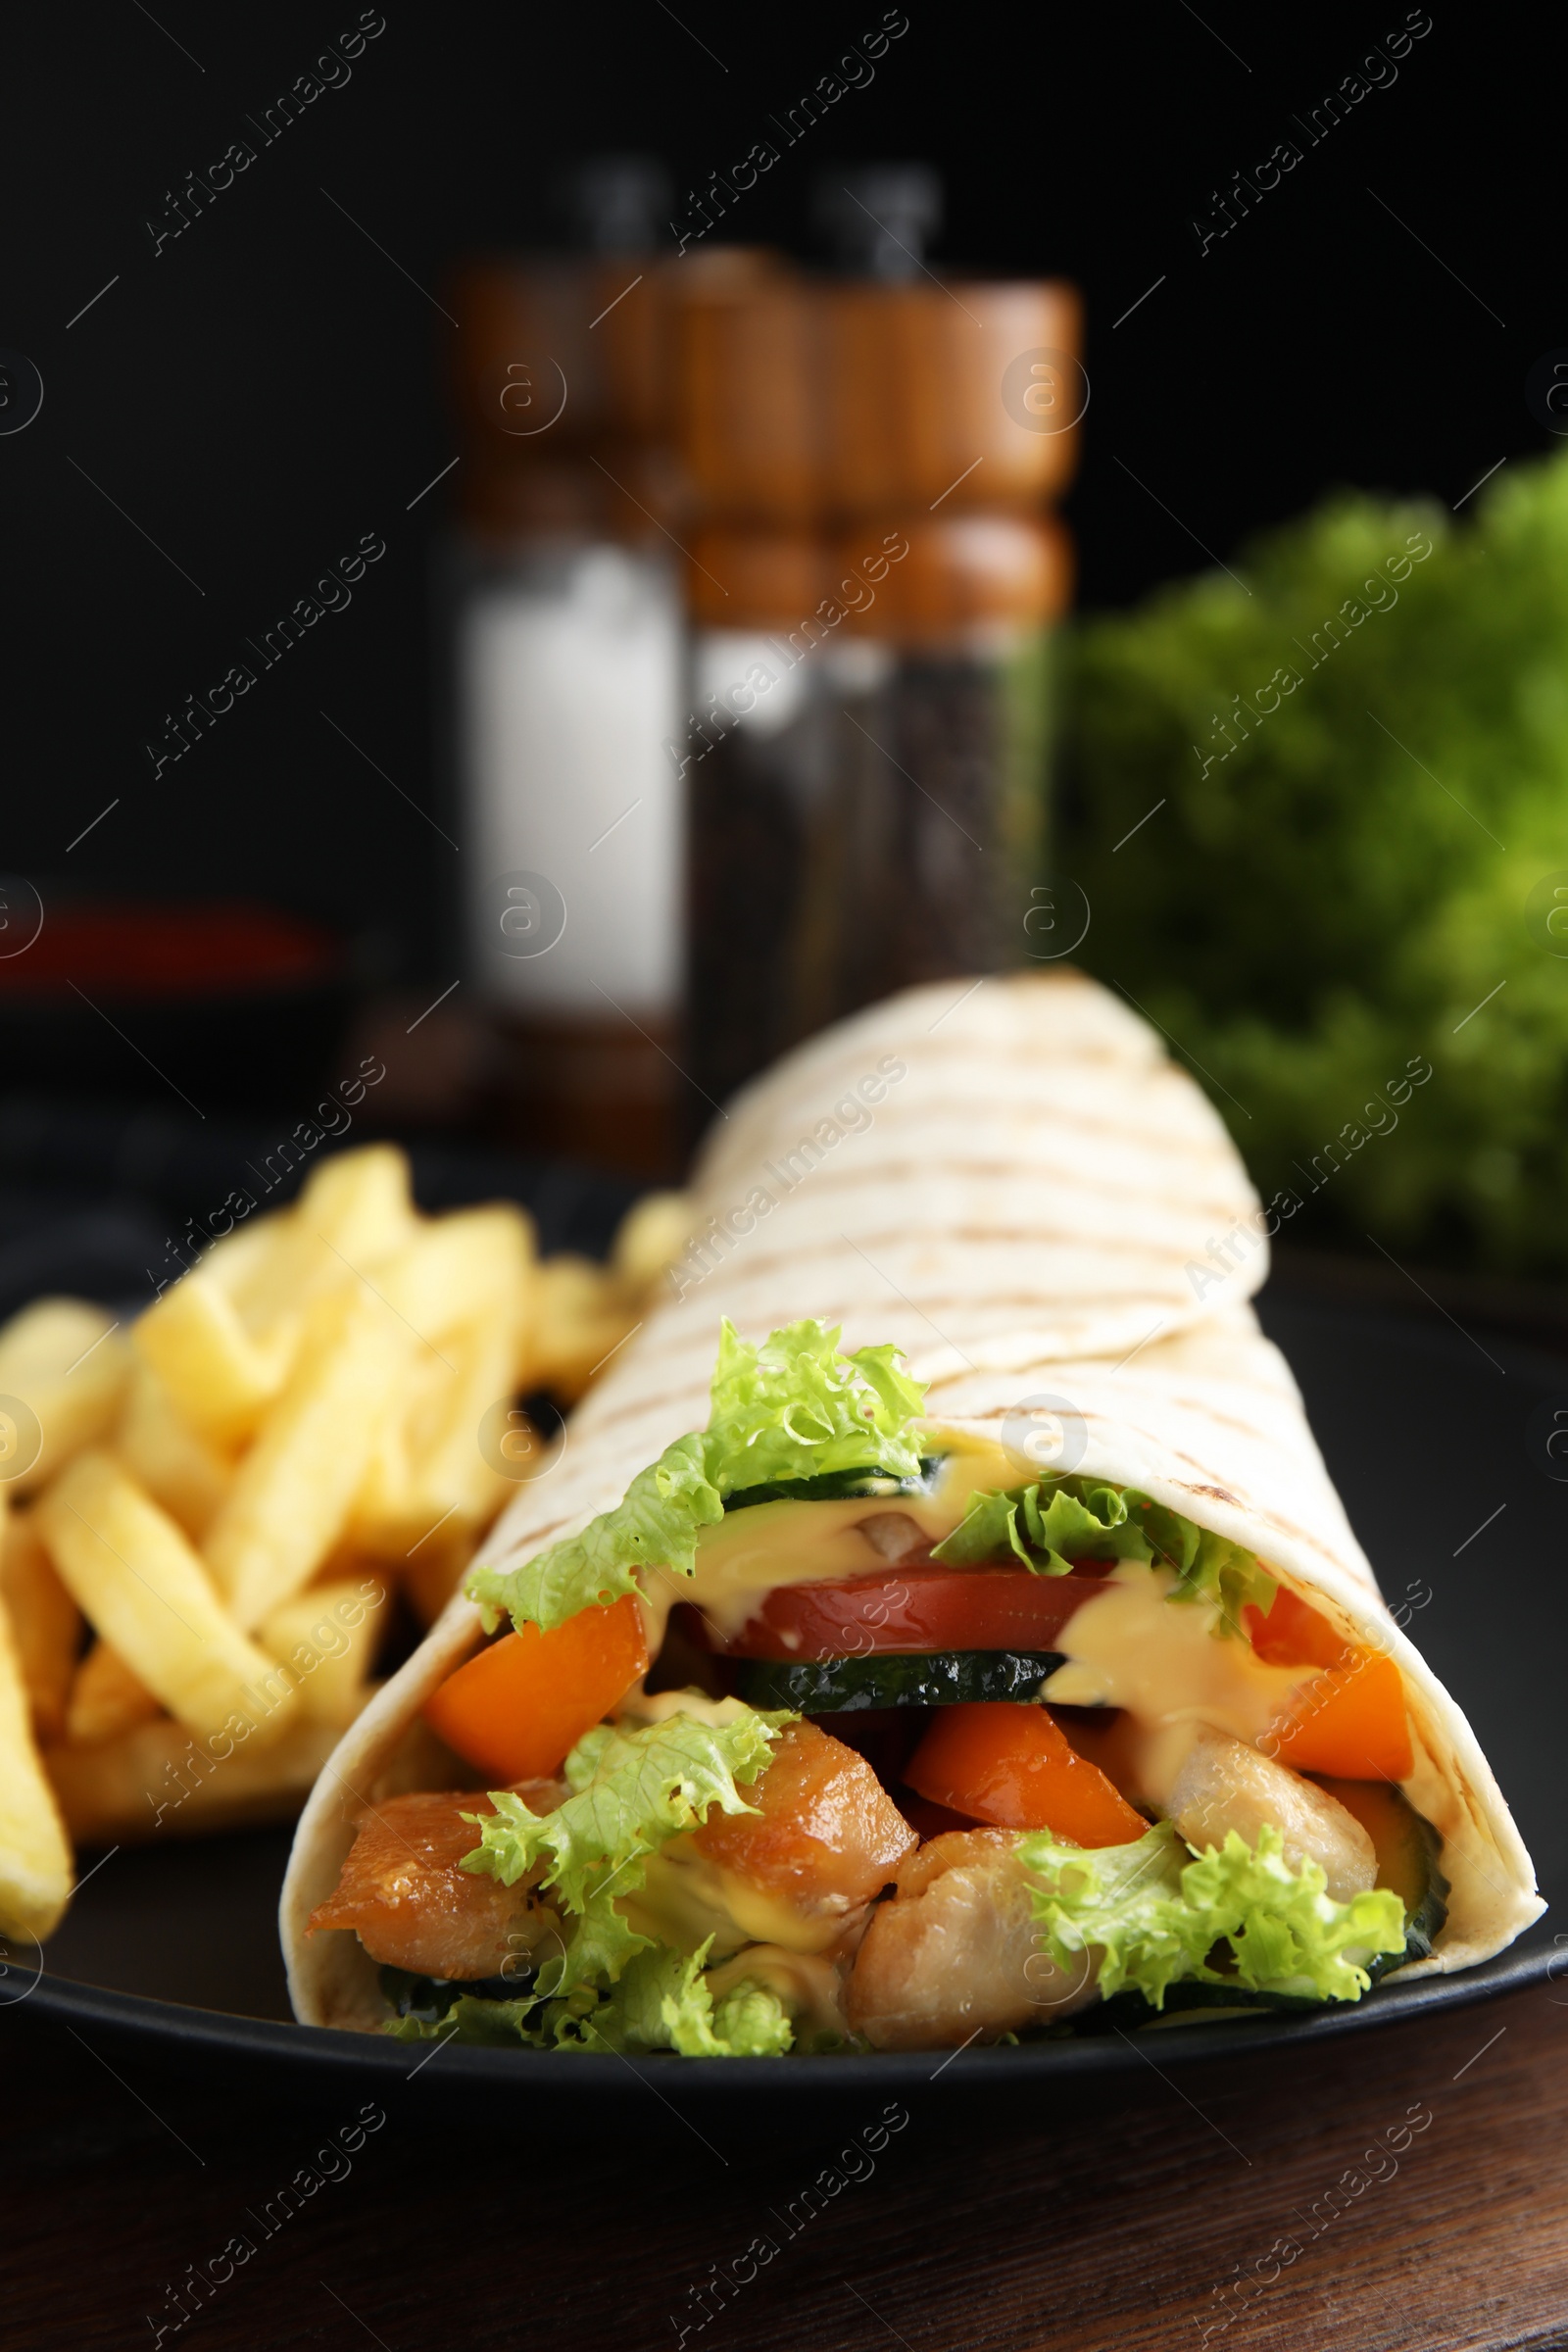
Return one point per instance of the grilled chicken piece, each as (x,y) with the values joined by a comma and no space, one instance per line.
(958,1954)
(1225,1785)
(826,1836)
(404,1895)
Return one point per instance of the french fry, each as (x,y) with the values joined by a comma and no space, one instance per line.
(106,1698)
(477,1263)
(248,1267)
(225,1336)
(355,1209)
(156,1782)
(36,1862)
(428,1472)
(450,1473)
(387,1509)
(218,1374)
(428,1489)
(180,1468)
(293,1492)
(581,1317)
(651,1236)
(307,1407)
(354,1213)
(65,1364)
(136,1577)
(45,1622)
(326,1637)
(360,1203)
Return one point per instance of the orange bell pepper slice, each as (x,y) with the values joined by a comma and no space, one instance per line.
(1011,1765)
(1349,1721)
(1294,1633)
(522,1704)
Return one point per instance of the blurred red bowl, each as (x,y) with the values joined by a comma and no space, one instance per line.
(227,1004)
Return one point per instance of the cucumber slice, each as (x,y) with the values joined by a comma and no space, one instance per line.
(428,1998)
(943,1678)
(836,1484)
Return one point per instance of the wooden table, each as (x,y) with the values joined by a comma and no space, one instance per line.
(1143,2212)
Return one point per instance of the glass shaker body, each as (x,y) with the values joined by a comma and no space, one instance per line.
(866,786)
(565,661)
(564,654)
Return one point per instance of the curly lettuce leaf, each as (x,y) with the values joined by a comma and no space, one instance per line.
(1054,1521)
(1288,1934)
(751,2021)
(664,1511)
(663,2002)
(476,2019)
(1228,1576)
(791,1408)
(1047,1525)
(631,1791)
(795,1408)
(1157,1915)
(1123,1900)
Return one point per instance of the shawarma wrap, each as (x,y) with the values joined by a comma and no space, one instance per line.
(939,1677)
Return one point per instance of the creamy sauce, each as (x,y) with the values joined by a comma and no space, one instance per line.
(664,1705)
(1130,1646)
(686,1898)
(739,1561)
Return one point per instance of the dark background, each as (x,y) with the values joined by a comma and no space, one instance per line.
(264,390)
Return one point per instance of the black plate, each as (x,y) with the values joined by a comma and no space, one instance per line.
(1428,1434)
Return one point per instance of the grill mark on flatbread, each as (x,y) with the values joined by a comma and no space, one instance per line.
(1032,1304)
(1062,1048)
(669,1365)
(1026,1025)
(672,1359)
(1286,1528)
(976,1237)
(929,1355)
(1147,1141)
(801,1077)
(1211,1413)
(538,1536)
(1149,1137)
(834,1178)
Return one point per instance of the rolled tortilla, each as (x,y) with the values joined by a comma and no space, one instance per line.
(1041,1183)
(1175,1390)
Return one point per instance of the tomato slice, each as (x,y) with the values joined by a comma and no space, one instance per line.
(915,1610)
